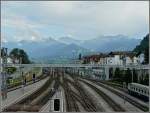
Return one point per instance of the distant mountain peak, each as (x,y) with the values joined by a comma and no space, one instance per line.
(64,46)
(115,36)
(68,40)
(48,39)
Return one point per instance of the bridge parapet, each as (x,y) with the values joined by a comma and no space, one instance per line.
(78,65)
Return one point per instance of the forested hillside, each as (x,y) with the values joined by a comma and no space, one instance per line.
(143,48)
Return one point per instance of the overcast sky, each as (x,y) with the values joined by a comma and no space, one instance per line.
(79,20)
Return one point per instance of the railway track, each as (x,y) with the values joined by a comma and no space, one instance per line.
(36,100)
(86,106)
(116,86)
(130,100)
(114,105)
(70,99)
(82,98)
(89,106)
(71,102)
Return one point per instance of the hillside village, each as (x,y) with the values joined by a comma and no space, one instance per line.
(115,58)
(139,55)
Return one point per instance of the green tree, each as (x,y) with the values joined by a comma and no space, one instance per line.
(111,72)
(117,74)
(146,55)
(143,47)
(80,56)
(19,54)
(135,76)
(10,70)
(146,80)
(142,79)
(128,76)
(143,44)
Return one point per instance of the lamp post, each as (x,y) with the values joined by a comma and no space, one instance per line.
(73,56)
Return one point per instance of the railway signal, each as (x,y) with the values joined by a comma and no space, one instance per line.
(33,77)
(25,81)
(56,102)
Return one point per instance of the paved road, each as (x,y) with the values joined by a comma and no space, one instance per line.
(16,95)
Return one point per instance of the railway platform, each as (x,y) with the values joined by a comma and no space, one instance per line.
(18,94)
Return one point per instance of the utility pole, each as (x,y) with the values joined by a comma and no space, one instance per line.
(21,75)
(132,74)
(3,73)
(124,87)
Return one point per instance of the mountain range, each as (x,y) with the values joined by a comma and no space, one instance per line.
(67,47)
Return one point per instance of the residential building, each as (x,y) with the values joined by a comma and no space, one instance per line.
(140,57)
(114,58)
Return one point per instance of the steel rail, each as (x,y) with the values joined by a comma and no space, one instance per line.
(130,100)
(113,104)
(84,96)
(70,100)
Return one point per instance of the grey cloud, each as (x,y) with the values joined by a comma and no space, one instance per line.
(83,19)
